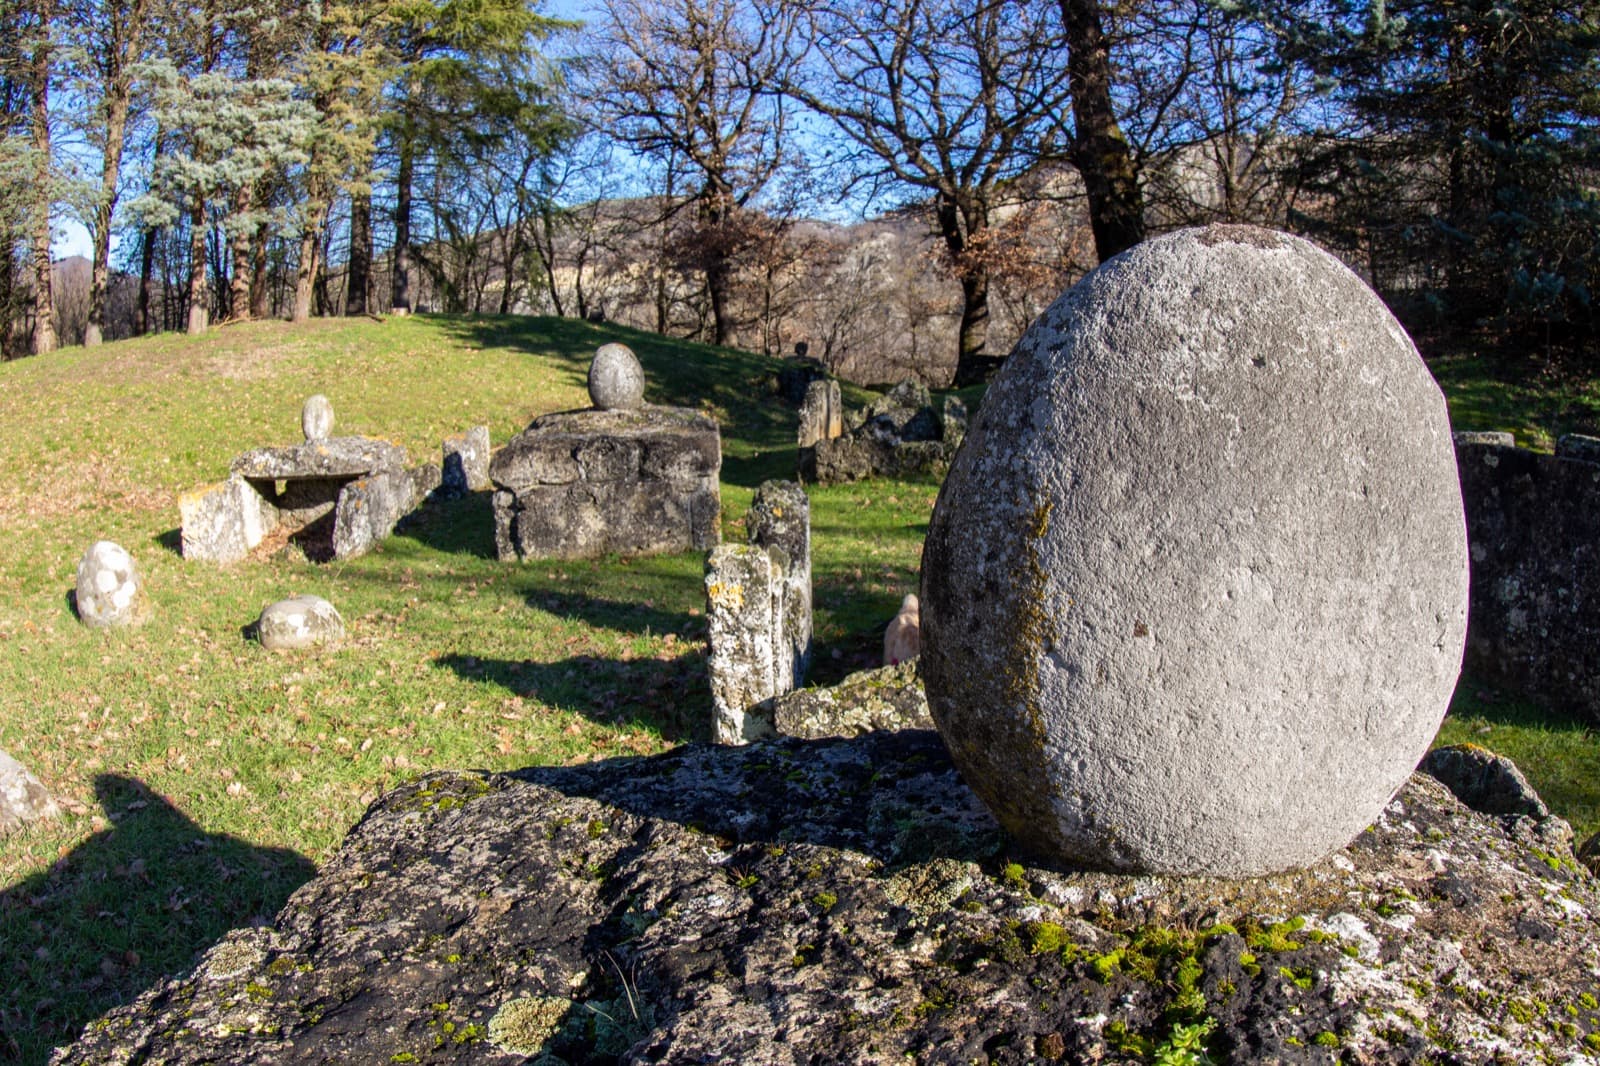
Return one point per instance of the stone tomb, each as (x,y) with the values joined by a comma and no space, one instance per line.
(336,497)
(580,484)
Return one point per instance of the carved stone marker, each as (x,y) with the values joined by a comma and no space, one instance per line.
(466,462)
(1194,592)
(759,613)
(109,591)
(821,413)
(579,484)
(616,380)
(316,418)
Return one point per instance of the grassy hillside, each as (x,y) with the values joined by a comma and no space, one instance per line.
(205,777)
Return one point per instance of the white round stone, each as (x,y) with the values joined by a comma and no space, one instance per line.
(1194,592)
(616,380)
(108,590)
(299,622)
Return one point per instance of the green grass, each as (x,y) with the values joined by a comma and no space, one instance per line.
(1537,409)
(206,777)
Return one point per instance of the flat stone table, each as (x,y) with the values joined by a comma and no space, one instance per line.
(580,484)
(335,497)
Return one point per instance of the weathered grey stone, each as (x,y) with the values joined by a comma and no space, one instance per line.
(744,594)
(1484,781)
(335,457)
(316,419)
(890,697)
(578,484)
(1588,855)
(299,622)
(616,380)
(953,421)
(224,523)
(851,901)
(758,612)
(780,517)
(368,508)
(1195,589)
(466,462)
(821,413)
(897,435)
(109,591)
(1488,437)
(1533,524)
(23,798)
(1575,446)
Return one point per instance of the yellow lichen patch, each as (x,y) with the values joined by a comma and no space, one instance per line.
(728,596)
(523,1026)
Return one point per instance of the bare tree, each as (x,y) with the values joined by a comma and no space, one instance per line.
(941,98)
(696,82)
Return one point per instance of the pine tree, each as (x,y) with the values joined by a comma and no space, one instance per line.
(1464,167)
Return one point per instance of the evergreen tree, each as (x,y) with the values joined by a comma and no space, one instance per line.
(1462,161)
(454,61)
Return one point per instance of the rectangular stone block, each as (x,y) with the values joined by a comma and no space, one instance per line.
(583,483)
(744,593)
(367,511)
(464,466)
(224,523)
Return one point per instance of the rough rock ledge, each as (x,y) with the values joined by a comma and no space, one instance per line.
(851,901)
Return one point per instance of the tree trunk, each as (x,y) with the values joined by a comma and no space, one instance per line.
(44,305)
(260,290)
(358,274)
(305,277)
(400,279)
(199,291)
(1099,150)
(99,289)
(239,261)
(147,282)
(958,227)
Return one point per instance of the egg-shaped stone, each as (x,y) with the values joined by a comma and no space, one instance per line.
(616,380)
(1194,592)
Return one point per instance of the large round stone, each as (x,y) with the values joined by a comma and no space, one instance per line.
(1194,592)
(109,590)
(616,380)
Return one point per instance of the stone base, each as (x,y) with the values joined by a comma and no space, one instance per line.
(581,484)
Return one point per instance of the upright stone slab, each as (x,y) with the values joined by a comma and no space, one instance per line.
(580,484)
(780,517)
(109,591)
(821,413)
(465,467)
(1194,591)
(224,523)
(366,510)
(744,592)
(23,799)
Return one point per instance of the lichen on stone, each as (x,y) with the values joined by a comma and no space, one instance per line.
(523,1026)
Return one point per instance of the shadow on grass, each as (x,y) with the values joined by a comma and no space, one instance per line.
(463,525)
(129,906)
(171,540)
(668,695)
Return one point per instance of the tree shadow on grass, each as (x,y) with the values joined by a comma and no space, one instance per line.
(461,525)
(133,904)
(670,695)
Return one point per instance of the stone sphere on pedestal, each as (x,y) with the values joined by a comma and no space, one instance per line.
(1194,592)
(616,380)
